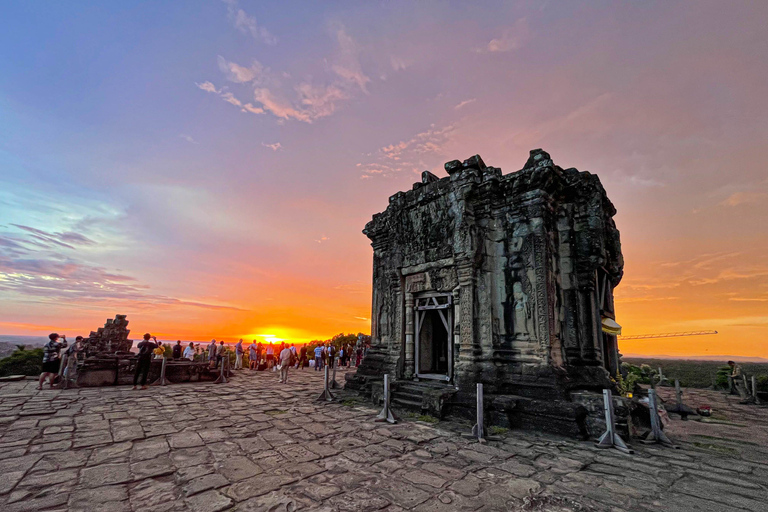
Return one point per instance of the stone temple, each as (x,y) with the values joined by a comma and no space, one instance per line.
(505,280)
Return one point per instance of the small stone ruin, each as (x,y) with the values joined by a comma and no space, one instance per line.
(501,279)
(109,361)
(111,339)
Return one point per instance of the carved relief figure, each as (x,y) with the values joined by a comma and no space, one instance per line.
(522,307)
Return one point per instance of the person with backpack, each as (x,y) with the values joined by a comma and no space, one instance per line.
(177,350)
(143,362)
(51,358)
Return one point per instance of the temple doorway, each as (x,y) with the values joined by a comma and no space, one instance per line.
(434,332)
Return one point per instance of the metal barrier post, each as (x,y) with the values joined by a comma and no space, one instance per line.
(162,381)
(754,390)
(60,373)
(326,395)
(610,439)
(386,412)
(478,431)
(334,384)
(656,435)
(222,379)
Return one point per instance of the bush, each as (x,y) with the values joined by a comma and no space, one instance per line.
(721,377)
(22,362)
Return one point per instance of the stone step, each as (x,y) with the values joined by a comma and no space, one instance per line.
(406,403)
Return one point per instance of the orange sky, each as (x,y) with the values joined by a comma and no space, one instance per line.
(209,175)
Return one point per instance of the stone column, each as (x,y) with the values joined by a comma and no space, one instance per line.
(469,348)
(409,369)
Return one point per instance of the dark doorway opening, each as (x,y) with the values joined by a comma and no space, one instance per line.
(433,337)
(433,346)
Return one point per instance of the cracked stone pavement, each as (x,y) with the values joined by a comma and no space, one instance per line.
(255,444)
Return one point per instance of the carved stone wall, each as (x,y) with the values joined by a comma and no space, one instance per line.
(520,254)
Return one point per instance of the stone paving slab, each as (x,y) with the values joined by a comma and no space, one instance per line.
(255,445)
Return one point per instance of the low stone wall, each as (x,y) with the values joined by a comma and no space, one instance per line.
(115,371)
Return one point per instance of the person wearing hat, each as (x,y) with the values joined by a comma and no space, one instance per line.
(51,359)
(144,360)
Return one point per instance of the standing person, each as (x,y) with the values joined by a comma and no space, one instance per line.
(259,353)
(738,380)
(239,355)
(177,349)
(331,355)
(144,360)
(189,352)
(71,368)
(294,355)
(212,354)
(270,357)
(302,356)
(51,359)
(253,356)
(318,358)
(285,363)
(220,353)
(359,355)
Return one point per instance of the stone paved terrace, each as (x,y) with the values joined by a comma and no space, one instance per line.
(255,445)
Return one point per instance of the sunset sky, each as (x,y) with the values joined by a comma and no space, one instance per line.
(207,167)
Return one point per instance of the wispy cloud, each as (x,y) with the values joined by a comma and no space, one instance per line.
(46,267)
(240,74)
(347,64)
(307,100)
(408,155)
(247,24)
(322,239)
(465,103)
(739,198)
(274,147)
(188,138)
(511,39)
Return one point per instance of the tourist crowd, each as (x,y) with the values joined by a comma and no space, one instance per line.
(257,356)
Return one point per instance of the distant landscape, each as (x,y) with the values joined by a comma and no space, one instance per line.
(695,373)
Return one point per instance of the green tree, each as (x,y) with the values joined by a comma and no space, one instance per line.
(22,362)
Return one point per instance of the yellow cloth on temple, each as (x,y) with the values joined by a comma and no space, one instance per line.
(611,327)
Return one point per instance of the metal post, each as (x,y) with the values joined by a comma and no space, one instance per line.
(754,390)
(334,384)
(610,439)
(678,393)
(162,381)
(478,430)
(386,412)
(326,395)
(656,435)
(222,379)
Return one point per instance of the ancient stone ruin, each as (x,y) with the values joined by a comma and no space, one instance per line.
(501,279)
(110,339)
(109,360)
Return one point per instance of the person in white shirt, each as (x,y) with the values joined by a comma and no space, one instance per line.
(189,352)
(285,363)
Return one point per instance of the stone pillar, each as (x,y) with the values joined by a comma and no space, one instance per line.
(469,348)
(409,369)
